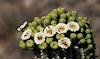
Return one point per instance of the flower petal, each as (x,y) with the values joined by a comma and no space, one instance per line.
(64,43)
(73,26)
(26,34)
(61,28)
(49,31)
(39,38)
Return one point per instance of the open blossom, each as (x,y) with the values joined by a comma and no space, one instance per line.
(61,28)
(39,38)
(26,34)
(64,43)
(73,26)
(22,26)
(49,31)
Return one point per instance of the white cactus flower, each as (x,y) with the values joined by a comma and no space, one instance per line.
(39,38)
(49,31)
(26,34)
(61,28)
(22,26)
(64,43)
(73,26)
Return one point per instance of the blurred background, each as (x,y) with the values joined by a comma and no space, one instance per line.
(14,12)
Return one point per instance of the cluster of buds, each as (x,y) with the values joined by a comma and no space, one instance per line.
(60,29)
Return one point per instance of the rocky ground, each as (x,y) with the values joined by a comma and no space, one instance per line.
(15,12)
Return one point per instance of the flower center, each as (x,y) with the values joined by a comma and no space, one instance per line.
(49,31)
(40,37)
(66,44)
(26,34)
(61,28)
(72,26)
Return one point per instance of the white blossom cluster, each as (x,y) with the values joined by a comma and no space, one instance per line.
(50,31)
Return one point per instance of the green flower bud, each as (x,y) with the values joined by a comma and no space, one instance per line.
(79,18)
(22,44)
(90,46)
(32,28)
(89,41)
(49,40)
(87,31)
(53,22)
(46,21)
(63,15)
(61,10)
(43,46)
(62,20)
(34,23)
(73,36)
(30,24)
(30,43)
(86,26)
(79,35)
(71,18)
(39,27)
(38,20)
(83,21)
(54,16)
(43,17)
(35,31)
(59,36)
(81,24)
(53,11)
(74,13)
(68,14)
(82,30)
(54,45)
(88,21)
(82,41)
(29,27)
(88,36)
(48,17)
